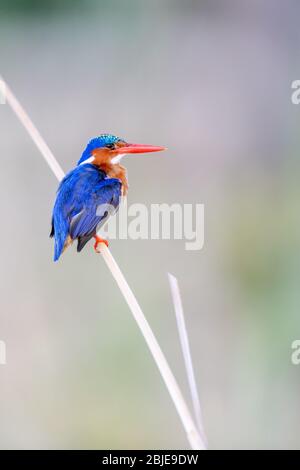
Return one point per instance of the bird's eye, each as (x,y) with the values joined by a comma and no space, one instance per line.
(110,146)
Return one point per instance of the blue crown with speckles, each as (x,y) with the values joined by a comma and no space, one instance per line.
(98,142)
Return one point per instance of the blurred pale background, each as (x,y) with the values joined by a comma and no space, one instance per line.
(211,80)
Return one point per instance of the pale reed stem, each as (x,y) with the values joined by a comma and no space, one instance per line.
(184,340)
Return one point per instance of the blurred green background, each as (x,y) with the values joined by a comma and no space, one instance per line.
(212,81)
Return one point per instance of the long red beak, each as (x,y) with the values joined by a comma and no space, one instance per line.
(139,148)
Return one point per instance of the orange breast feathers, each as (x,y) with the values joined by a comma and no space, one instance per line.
(102,159)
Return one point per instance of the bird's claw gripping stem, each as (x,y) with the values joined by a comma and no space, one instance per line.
(98,241)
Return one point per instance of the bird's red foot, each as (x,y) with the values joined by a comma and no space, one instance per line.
(98,241)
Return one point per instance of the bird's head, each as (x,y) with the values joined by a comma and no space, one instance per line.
(109,149)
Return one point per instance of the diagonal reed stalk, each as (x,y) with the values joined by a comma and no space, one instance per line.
(185,346)
(192,433)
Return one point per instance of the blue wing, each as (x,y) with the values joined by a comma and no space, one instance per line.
(98,206)
(85,198)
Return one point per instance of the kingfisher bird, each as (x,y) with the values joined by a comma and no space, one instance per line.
(97,181)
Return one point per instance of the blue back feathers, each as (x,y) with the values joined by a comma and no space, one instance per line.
(98,142)
(79,195)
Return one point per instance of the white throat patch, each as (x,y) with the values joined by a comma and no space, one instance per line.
(118,158)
